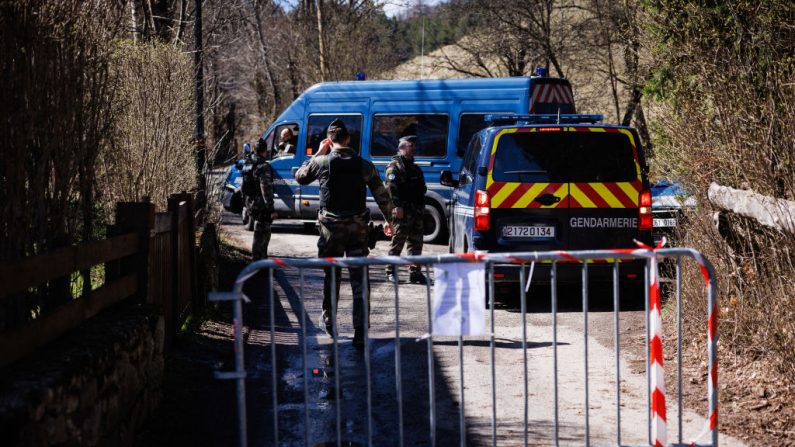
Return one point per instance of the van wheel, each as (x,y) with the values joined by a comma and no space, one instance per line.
(435,230)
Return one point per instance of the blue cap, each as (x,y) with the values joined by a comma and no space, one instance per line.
(246,149)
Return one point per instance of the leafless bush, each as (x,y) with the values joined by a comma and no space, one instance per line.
(55,110)
(726,116)
(151,153)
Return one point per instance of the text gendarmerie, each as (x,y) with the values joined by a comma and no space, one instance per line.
(603,222)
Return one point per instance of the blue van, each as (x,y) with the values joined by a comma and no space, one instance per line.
(443,114)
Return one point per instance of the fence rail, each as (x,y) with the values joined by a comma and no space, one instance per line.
(655,390)
(149,256)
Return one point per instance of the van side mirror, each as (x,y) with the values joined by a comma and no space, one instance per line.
(446,179)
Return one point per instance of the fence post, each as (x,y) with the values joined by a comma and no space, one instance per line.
(137,217)
(189,251)
(112,268)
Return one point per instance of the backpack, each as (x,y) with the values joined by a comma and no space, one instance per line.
(250,186)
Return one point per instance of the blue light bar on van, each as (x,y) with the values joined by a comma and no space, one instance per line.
(543,119)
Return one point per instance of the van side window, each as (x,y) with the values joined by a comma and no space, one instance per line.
(318,124)
(431,132)
(278,148)
(471,157)
(468,124)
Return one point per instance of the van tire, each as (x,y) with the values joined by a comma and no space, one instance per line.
(434,224)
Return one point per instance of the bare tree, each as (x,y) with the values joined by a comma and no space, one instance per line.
(516,37)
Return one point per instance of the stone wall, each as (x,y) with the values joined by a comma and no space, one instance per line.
(95,386)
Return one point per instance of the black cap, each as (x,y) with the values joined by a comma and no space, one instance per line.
(260,146)
(337,124)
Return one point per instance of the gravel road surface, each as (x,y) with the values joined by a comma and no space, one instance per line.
(292,240)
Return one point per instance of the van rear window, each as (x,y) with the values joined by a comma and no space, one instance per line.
(601,157)
(430,130)
(556,157)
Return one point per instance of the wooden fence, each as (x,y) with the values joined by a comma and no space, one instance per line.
(148,256)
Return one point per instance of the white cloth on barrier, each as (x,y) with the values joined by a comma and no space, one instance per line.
(459,296)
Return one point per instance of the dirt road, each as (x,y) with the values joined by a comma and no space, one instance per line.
(292,240)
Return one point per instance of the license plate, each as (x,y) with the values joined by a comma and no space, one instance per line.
(671,222)
(527,231)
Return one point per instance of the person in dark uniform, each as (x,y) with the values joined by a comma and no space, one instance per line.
(406,184)
(344,178)
(261,202)
(285,146)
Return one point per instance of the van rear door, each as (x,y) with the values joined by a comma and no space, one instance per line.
(528,190)
(604,170)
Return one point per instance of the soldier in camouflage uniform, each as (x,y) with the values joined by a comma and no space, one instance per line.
(343,216)
(261,203)
(406,184)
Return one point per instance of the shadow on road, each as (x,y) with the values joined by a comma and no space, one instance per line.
(319,408)
(569,297)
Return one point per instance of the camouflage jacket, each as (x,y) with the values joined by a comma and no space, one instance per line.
(263,206)
(316,168)
(405,182)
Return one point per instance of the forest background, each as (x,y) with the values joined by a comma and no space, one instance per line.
(97,105)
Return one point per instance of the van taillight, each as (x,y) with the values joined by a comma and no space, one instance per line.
(644,211)
(482,211)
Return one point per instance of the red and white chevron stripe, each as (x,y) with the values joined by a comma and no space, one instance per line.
(550,93)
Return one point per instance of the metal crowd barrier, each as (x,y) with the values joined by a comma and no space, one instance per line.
(526,261)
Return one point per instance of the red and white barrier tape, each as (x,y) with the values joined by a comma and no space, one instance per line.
(659,434)
(712,333)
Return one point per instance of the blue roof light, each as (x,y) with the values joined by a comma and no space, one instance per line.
(543,119)
(541,72)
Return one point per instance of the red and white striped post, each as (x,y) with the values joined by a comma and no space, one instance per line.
(659,434)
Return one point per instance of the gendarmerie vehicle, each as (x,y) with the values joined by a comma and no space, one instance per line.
(552,182)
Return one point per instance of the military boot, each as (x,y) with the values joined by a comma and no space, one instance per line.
(358,338)
(416,277)
(390,274)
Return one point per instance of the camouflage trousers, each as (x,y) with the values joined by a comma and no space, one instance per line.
(344,237)
(262,237)
(407,231)
(259,285)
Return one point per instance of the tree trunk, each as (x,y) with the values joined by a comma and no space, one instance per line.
(321,47)
(291,70)
(134,21)
(183,13)
(149,17)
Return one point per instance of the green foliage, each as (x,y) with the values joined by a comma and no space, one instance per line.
(752,40)
(443,25)
(76,281)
